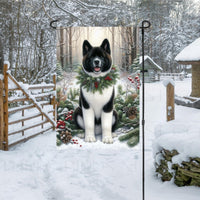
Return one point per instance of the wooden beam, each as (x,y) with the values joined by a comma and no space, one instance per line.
(17,99)
(13,89)
(27,127)
(32,100)
(32,136)
(16,109)
(24,118)
(41,87)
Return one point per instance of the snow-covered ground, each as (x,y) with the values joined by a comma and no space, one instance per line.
(155,111)
(39,170)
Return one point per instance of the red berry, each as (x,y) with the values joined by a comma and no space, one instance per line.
(70,112)
(96,84)
(80,145)
(108,78)
(68,117)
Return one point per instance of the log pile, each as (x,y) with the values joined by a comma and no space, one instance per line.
(185,174)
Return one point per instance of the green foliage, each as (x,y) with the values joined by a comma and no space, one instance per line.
(123,103)
(95,84)
(129,134)
(73,94)
(120,90)
(134,140)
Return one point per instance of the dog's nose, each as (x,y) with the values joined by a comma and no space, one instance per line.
(96,62)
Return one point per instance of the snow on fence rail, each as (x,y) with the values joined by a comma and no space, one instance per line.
(25,110)
(174,76)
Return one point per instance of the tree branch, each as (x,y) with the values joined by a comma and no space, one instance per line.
(43,7)
(91,6)
(72,15)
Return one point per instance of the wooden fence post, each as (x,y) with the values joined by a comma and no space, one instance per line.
(5,107)
(170,101)
(1,116)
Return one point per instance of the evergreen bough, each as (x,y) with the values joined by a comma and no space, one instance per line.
(97,84)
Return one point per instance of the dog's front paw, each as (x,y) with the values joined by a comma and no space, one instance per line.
(90,138)
(107,139)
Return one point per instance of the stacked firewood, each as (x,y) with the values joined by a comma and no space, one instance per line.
(185,174)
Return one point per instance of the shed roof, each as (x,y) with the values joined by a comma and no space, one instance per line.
(190,54)
(146,57)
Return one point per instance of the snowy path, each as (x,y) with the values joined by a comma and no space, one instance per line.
(39,170)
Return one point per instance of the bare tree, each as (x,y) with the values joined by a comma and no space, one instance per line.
(1,57)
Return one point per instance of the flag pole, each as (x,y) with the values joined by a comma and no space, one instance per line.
(145,24)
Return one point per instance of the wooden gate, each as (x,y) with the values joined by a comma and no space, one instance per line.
(25,110)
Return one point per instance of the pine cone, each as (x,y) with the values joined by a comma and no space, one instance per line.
(65,136)
(131,112)
(134,96)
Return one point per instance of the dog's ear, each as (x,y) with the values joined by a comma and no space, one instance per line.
(86,47)
(106,46)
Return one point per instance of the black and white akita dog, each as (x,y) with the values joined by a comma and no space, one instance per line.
(95,113)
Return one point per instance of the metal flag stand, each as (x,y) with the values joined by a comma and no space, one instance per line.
(51,23)
(145,24)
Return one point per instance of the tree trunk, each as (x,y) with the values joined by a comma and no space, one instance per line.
(61,47)
(11,37)
(135,45)
(41,52)
(66,48)
(113,42)
(195,80)
(70,47)
(19,39)
(1,57)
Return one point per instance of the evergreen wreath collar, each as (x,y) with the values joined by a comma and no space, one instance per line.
(95,84)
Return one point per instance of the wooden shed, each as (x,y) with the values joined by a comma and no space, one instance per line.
(152,68)
(190,55)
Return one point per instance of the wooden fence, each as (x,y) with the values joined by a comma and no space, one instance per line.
(174,76)
(25,110)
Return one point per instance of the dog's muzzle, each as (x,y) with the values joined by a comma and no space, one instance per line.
(97,64)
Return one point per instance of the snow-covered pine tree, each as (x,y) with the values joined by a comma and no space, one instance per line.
(59,71)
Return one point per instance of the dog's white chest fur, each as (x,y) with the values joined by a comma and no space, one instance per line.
(97,100)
